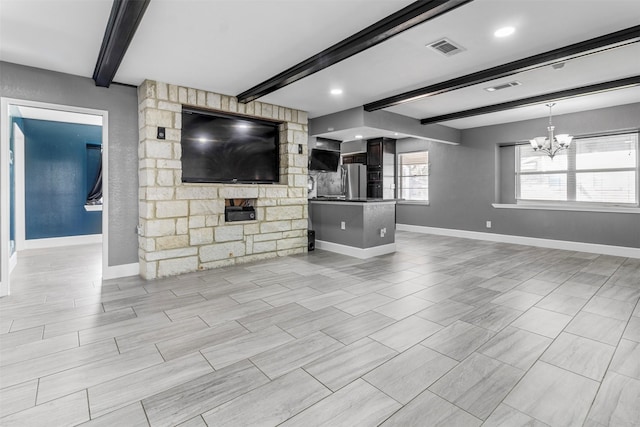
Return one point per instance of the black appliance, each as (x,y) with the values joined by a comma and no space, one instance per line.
(237,213)
(324,160)
(231,149)
(311,235)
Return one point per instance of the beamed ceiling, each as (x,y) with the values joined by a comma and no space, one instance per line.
(582,54)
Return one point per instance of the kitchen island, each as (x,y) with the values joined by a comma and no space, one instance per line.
(362,228)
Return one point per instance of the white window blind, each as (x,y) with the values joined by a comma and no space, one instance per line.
(413,176)
(602,169)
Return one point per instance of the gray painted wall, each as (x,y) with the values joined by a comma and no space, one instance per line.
(410,126)
(33,84)
(462,184)
(362,223)
(349,147)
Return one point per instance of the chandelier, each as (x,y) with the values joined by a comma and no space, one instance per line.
(551,144)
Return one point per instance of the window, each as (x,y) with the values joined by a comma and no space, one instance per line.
(413,176)
(601,169)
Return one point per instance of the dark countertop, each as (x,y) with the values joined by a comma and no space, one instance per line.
(342,199)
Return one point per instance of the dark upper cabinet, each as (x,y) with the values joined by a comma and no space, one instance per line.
(374,153)
(381,168)
(360,158)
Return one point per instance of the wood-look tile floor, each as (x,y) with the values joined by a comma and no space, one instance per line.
(445,332)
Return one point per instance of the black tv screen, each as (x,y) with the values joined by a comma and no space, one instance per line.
(231,149)
(324,160)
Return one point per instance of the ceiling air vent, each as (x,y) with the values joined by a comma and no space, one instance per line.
(502,86)
(446,47)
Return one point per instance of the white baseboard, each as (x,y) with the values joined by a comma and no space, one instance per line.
(56,242)
(356,252)
(622,251)
(124,270)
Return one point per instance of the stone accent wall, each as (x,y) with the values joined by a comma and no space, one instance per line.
(182,224)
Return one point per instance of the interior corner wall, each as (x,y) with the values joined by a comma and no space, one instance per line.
(34,84)
(462,184)
(184,228)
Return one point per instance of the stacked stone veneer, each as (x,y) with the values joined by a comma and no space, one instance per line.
(182,224)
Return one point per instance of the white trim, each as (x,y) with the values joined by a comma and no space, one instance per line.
(576,208)
(622,251)
(13,261)
(4,197)
(105,192)
(19,171)
(124,270)
(93,208)
(57,242)
(356,252)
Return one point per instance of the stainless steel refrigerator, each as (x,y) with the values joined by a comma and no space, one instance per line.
(354,181)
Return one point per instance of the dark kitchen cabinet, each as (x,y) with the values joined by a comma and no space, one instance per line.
(360,158)
(381,168)
(374,153)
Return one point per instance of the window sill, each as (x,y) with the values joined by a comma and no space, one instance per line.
(413,202)
(603,209)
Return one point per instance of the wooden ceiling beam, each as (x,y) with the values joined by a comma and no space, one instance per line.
(414,14)
(547,97)
(628,35)
(121,27)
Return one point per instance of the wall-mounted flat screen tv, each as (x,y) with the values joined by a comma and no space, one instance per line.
(230,149)
(324,160)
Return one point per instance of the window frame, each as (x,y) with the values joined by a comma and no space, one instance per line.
(400,176)
(571,172)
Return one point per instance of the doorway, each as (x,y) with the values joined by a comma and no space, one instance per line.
(14,231)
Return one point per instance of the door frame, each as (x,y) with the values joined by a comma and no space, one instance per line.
(5,104)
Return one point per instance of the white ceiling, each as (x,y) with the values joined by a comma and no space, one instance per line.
(58,35)
(228,46)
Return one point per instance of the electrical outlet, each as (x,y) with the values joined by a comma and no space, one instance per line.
(383,231)
(488,224)
(343,225)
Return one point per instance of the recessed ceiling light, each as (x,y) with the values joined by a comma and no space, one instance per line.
(504,32)
(202,140)
(336,91)
(358,136)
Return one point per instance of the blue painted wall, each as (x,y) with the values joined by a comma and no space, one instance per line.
(60,168)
